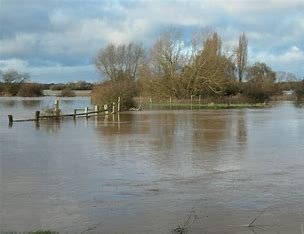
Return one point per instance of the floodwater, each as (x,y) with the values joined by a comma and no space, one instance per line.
(207,171)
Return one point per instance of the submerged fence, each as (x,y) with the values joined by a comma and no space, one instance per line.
(55,112)
(196,102)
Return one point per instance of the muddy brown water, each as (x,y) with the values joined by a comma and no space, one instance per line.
(208,171)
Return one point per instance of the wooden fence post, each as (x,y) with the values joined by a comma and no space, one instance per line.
(10,119)
(37,115)
(199,101)
(150,102)
(113,107)
(118,104)
(57,109)
(56,104)
(86,110)
(96,109)
(191,98)
(105,107)
(118,121)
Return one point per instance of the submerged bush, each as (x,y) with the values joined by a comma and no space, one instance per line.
(11,89)
(66,93)
(30,90)
(299,91)
(43,232)
(1,89)
(108,92)
(258,91)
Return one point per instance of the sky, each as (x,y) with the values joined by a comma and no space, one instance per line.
(57,40)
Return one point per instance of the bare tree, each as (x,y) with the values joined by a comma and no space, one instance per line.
(13,77)
(12,81)
(213,45)
(167,59)
(260,72)
(119,61)
(260,83)
(210,69)
(241,56)
(180,68)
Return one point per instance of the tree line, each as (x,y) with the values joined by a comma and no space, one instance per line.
(172,67)
(177,68)
(14,83)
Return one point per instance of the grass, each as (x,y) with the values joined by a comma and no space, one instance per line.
(66,93)
(235,102)
(43,232)
(205,106)
(33,232)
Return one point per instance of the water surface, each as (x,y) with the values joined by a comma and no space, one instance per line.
(149,171)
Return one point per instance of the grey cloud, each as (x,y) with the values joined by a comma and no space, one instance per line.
(69,33)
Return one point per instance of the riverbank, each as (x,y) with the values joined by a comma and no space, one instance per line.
(79,93)
(48,92)
(177,106)
(195,103)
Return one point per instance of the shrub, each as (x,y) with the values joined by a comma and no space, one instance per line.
(57,87)
(299,91)
(43,232)
(30,90)
(66,93)
(12,81)
(1,89)
(257,92)
(231,89)
(11,89)
(79,85)
(108,92)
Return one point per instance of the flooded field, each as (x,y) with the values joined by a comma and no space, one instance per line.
(205,171)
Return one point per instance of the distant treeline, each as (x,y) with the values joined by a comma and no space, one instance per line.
(13,83)
(79,85)
(178,68)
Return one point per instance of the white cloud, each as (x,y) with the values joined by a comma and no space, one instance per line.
(56,72)
(293,54)
(20,44)
(61,20)
(258,5)
(16,64)
(291,60)
(23,66)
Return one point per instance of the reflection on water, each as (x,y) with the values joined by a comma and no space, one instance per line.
(241,127)
(142,172)
(299,104)
(31,103)
(68,101)
(8,103)
(48,126)
(209,130)
(112,124)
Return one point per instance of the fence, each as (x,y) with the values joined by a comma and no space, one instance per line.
(86,112)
